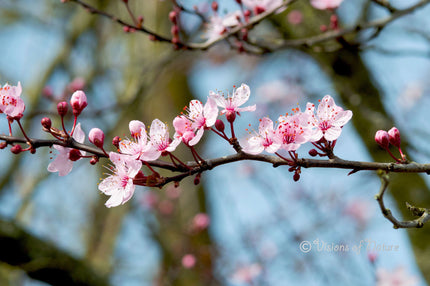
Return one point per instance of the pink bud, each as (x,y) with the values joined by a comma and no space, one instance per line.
(394,136)
(16,149)
(259,10)
(172,16)
(78,102)
(46,123)
(188,261)
(97,137)
(382,138)
(372,257)
(115,141)
(219,125)
(62,108)
(214,6)
(94,160)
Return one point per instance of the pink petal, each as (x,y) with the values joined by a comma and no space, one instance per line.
(241,95)
(332,133)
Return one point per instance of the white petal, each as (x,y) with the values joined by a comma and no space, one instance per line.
(241,95)
(332,133)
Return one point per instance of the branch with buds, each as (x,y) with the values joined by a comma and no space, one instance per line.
(137,158)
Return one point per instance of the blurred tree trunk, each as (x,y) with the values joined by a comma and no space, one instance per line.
(359,92)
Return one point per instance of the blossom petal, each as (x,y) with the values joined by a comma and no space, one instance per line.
(210,112)
(332,133)
(253,145)
(241,95)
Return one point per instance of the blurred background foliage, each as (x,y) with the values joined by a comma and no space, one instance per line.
(58,231)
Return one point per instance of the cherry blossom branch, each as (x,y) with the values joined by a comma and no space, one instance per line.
(335,34)
(422,213)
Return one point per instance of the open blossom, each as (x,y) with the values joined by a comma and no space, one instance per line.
(329,119)
(326,4)
(11,103)
(202,117)
(398,277)
(218,25)
(140,147)
(267,139)
(185,131)
(62,163)
(294,130)
(159,134)
(259,6)
(119,186)
(231,103)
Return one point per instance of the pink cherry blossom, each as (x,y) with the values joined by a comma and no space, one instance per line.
(119,186)
(259,6)
(11,103)
(397,277)
(326,4)
(329,119)
(62,164)
(140,147)
(267,139)
(160,140)
(218,25)
(231,103)
(185,131)
(202,117)
(294,130)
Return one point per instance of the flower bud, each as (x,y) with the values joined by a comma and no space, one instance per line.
(3,145)
(259,10)
(173,16)
(97,137)
(313,152)
(115,141)
(94,160)
(214,6)
(219,125)
(16,149)
(46,123)
(394,136)
(78,102)
(62,108)
(382,138)
(296,177)
(75,155)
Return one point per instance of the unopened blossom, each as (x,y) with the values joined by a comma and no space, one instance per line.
(394,136)
(382,138)
(160,140)
(397,277)
(326,4)
(267,139)
(78,102)
(217,25)
(231,103)
(11,103)
(185,131)
(119,185)
(260,6)
(294,130)
(62,163)
(329,119)
(97,137)
(139,147)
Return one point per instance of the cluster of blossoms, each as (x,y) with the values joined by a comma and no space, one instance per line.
(219,25)
(321,127)
(299,127)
